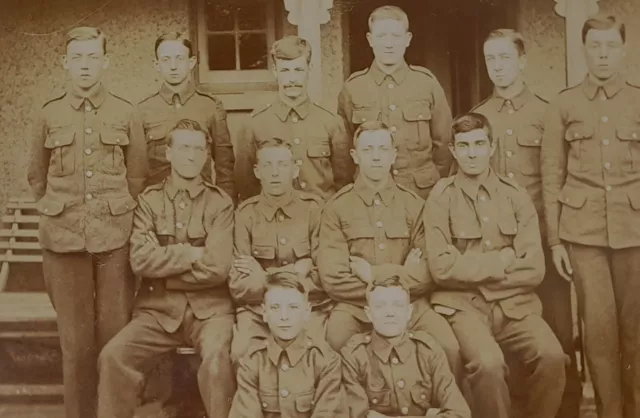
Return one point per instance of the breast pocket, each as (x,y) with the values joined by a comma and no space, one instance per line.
(366,114)
(319,152)
(582,157)
(359,236)
(417,116)
(157,142)
(463,229)
(61,142)
(421,395)
(530,141)
(114,139)
(269,402)
(379,398)
(629,135)
(398,235)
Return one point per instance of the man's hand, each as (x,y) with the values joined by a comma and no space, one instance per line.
(561,261)
(248,265)
(303,267)
(361,268)
(413,258)
(196,253)
(507,256)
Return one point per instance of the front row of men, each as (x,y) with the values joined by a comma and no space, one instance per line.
(481,261)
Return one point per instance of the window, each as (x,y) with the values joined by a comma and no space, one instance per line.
(234,37)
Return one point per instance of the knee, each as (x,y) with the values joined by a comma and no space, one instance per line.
(490,365)
(113,355)
(216,360)
(551,359)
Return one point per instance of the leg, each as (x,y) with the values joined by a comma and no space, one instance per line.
(485,365)
(70,283)
(597,306)
(539,355)
(115,287)
(124,361)
(249,327)
(341,326)
(216,378)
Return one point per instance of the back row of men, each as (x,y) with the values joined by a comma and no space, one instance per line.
(471,258)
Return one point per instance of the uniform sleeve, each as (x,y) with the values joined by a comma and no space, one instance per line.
(153,261)
(554,169)
(448,400)
(333,260)
(441,121)
(136,156)
(246,401)
(245,289)
(222,151)
(329,400)
(341,161)
(246,182)
(356,397)
(313,279)
(39,156)
(345,110)
(450,268)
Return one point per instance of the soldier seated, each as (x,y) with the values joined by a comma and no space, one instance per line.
(180,247)
(276,230)
(485,254)
(290,374)
(392,372)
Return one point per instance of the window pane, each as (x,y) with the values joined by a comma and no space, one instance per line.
(253,51)
(222,52)
(252,15)
(219,15)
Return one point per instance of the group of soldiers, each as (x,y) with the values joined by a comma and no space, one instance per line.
(362,274)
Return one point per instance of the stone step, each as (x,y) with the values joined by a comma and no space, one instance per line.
(16,393)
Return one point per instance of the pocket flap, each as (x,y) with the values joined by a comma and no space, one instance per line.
(315,151)
(417,112)
(577,131)
(634,199)
(357,231)
(269,403)
(426,178)
(304,402)
(572,198)
(49,207)
(156,131)
(114,137)
(464,228)
(508,225)
(362,115)
(628,132)
(397,230)
(122,205)
(265,252)
(302,249)
(60,138)
(530,136)
(379,397)
(195,229)
(421,394)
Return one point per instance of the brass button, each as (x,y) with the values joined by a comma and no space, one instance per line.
(295,119)
(376,202)
(89,196)
(379,224)
(509,131)
(510,111)
(536,141)
(607,165)
(405,410)
(298,163)
(485,219)
(150,136)
(605,142)
(296,141)
(284,393)
(487,243)
(374,401)
(56,142)
(284,263)
(483,198)
(281,218)
(401,384)
(179,225)
(284,367)
(324,153)
(367,338)
(182,205)
(395,172)
(88,130)
(264,404)
(463,234)
(576,135)
(394,360)
(605,119)
(117,140)
(423,396)
(394,129)
(178,105)
(510,175)
(303,185)
(283,241)
(634,135)
(88,151)
(381,246)
(608,188)
(392,107)
(151,288)
(46,210)
(509,154)
(89,173)
(390,85)
(88,108)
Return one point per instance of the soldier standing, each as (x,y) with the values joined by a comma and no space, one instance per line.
(87,165)
(276,230)
(591,189)
(516,117)
(485,254)
(407,98)
(317,136)
(180,247)
(290,374)
(179,98)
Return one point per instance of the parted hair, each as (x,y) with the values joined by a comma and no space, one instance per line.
(390,281)
(86,33)
(369,126)
(173,36)
(273,142)
(284,279)
(187,125)
(603,23)
(389,12)
(509,34)
(470,122)
(290,48)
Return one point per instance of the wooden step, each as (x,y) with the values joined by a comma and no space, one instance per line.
(25,307)
(31,392)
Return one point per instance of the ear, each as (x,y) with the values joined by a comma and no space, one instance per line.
(167,153)
(409,38)
(307,311)
(193,60)
(354,156)
(369,39)
(522,62)
(410,310)
(494,146)
(395,155)
(105,61)
(264,313)
(64,61)
(452,149)
(156,64)
(367,311)
(274,68)
(256,171)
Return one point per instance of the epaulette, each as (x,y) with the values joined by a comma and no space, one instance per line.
(217,189)
(570,88)
(55,99)
(310,196)
(442,185)
(257,345)
(356,341)
(149,97)
(480,104)
(121,98)
(358,74)
(325,109)
(152,188)
(208,94)
(510,182)
(342,191)
(260,110)
(634,83)
(541,98)
(423,337)
(422,70)
(249,201)
(405,189)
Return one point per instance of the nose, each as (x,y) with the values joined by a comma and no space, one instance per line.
(387,42)
(173,63)
(472,152)
(376,154)
(84,63)
(284,314)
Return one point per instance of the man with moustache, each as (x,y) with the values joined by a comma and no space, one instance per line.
(407,98)
(179,98)
(180,247)
(276,230)
(516,117)
(393,372)
(372,228)
(291,373)
(87,165)
(317,136)
(485,254)
(591,189)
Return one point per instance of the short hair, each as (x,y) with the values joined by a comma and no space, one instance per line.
(389,12)
(173,36)
(284,279)
(603,23)
(290,48)
(386,282)
(187,125)
(511,35)
(369,126)
(470,122)
(86,33)
(273,142)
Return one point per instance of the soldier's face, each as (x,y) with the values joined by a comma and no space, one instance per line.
(276,170)
(286,312)
(389,310)
(374,153)
(85,61)
(292,76)
(504,63)
(173,62)
(389,40)
(187,153)
(472,150)
(605,52)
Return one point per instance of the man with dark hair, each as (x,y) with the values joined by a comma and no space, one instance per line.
(516,116)
(290,374)
(391,371)
(485,254)
(87,165)
(371,228)
(407,98)
(317,136)
(276,230)
(591,189)
(180,247)
(180,98)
